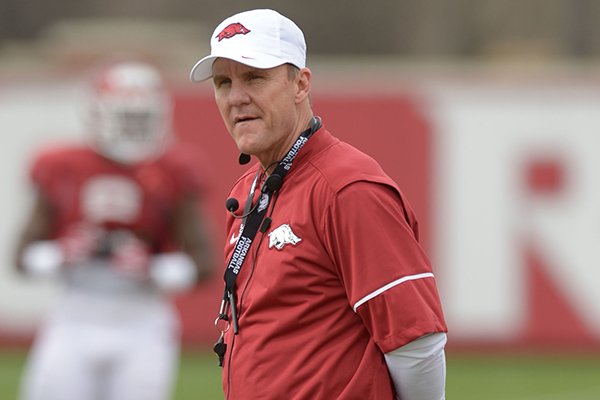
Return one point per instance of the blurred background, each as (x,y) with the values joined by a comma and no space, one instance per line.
(486,112)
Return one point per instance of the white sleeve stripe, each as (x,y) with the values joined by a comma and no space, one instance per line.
(391,285)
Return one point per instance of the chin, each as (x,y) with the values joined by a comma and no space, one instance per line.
(245,145)
(248,150)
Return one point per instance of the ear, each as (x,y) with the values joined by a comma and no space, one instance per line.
(303,84)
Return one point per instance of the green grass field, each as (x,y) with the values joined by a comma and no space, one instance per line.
(470,377)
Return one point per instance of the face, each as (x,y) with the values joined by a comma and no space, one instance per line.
(260,107)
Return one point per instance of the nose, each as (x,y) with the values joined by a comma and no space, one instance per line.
(238,95)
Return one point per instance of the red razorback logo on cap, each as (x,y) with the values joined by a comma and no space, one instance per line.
(231,30)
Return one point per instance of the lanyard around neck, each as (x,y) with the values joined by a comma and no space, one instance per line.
(253,221)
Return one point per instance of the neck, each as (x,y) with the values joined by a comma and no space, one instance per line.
(269,163)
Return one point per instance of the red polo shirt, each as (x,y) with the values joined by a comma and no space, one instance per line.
(337,280)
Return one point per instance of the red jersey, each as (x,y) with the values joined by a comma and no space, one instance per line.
(337,280)
(82,185)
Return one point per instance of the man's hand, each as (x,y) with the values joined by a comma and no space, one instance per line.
(81,242)
(129,254)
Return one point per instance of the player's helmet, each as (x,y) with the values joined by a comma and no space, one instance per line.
(130,113)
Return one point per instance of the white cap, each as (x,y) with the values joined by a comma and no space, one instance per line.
(257,38)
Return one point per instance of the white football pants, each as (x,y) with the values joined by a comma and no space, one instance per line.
(132,356)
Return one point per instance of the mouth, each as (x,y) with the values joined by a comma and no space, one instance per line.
(243,118)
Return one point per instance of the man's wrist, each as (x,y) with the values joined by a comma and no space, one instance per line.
(42,258)
(173,272)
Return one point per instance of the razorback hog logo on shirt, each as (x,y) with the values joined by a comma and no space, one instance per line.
(231,30)
(281,236)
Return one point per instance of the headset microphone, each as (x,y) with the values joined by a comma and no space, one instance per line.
(232,204)
(244,158)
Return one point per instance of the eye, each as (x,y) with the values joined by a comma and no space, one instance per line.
(254,76)
(219,82)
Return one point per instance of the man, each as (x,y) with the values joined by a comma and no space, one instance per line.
(328,294)
(117,219)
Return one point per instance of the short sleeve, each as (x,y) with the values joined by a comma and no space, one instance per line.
(371,235)
(44,170)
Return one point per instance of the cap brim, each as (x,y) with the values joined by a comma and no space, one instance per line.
(203,68)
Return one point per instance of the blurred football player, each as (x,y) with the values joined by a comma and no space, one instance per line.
(119,221)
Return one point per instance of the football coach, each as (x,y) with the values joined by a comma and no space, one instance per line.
(328,293)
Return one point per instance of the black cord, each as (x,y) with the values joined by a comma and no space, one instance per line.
(254,255)
(247,283)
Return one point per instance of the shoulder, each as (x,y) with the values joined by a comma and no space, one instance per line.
(344,177)
(54,158)
(61,153)
(188,165)
(341,164)
(54,163)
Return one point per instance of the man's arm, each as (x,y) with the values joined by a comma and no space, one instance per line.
(35,254)
(418,369)
(192,232)
(180,270)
